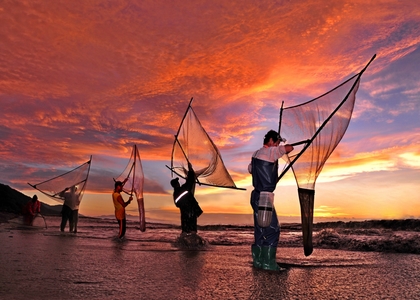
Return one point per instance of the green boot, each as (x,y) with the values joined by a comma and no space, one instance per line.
(256,256)
(269,258)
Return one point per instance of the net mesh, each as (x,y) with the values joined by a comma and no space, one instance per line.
(315,128)
(193,143)
(76,177)
(134,172)
(315,120)
(306,200)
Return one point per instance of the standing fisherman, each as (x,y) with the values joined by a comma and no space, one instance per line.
(184,199)
(120,205)
(70,209)
(264,170)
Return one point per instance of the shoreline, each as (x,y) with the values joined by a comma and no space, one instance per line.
(391,224)
(390,236)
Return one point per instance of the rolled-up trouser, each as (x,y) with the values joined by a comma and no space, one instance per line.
(267,236)
(75,220)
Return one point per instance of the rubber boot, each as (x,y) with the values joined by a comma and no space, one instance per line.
(269,258)
(256,256)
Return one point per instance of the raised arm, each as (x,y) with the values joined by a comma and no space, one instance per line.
(61,194)
(190,182)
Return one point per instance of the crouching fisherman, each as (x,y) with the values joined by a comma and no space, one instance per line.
(264,170)
(30,210)
(184,199)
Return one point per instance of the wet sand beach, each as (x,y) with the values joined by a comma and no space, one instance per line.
(48,264)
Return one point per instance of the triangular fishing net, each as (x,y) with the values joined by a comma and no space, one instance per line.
(315,128)
(55,186)
(193,144)
(321,122)
(133,172)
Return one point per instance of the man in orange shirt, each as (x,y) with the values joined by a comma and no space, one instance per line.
(120,205)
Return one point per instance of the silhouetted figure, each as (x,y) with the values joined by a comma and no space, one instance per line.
(184,199)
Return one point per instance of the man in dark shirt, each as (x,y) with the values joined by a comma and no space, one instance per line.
(184,199)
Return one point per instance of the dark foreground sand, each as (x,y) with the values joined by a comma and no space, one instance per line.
(46,264)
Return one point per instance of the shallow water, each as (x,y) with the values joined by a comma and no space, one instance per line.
(47,264)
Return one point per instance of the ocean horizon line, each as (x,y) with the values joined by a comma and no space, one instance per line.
(238,220)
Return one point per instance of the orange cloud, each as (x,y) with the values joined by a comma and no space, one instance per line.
(94,79)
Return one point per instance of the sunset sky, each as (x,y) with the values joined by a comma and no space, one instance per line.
(82,78)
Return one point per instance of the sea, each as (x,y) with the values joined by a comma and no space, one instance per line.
(377,260)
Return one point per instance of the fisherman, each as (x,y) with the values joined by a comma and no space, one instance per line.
(120,205)
(264,170)
(70,209)
(31,209)
(184,199)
